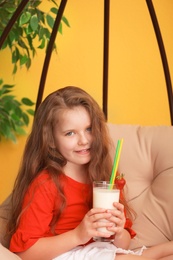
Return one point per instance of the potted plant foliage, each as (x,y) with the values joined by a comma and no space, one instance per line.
(30,31)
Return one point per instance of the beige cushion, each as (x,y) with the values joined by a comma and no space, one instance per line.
(5,254)
(147,162)
(4,215)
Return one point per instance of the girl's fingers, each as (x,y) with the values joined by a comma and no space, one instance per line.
(115,216)
(94,211)
(100,224)
(118,211)
(100,216)
(96,214)
(118,216)
(119,206)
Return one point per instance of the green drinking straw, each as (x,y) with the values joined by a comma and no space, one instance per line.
(116,160)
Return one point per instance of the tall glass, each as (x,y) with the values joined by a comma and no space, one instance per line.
(104,195)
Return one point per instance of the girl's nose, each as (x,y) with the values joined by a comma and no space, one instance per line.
(83,140)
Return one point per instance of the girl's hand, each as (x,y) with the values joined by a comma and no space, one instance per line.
(118,218)
(88,226)
(122,237)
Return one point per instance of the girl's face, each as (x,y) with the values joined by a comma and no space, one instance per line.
(72,136)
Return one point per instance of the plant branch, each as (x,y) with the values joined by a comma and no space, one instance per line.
(12,21)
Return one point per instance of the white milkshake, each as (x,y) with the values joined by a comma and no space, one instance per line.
(104,195)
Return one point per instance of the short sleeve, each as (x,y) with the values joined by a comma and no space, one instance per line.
(38,210)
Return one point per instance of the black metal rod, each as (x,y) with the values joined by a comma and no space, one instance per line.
(12,21)
(49,52)
(163,56)
(106,56)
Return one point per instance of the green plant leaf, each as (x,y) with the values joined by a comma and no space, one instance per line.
(42,45)
(4,91)
(7,98)
(10,9)
(28,63)
(15,119)
(18,112)
(22,43)
(20,131)
(41,33)
(8,86)
(27,102)
(40,16)
(12,124)
(8,106)
(50,21)
(25,118)
(64,19)
(3,129)
(47,33)
(60,28)
(30,41)
(24,18)
(4,113)
(8,135)
(34,22)
(54,2)
(15,55)
(30,112)
(12,36)
(4,45)
(36,3)
(28,29)
(14,69)
(12,137)
(23,59)
(54,10)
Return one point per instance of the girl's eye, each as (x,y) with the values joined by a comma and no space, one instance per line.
(89,129)
(69,133)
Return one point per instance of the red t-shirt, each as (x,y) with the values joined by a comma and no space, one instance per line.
(40,204)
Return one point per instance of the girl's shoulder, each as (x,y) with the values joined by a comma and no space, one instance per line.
(43,181)
(42,188)
(44,175)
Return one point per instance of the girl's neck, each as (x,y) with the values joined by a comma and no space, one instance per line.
(77,173)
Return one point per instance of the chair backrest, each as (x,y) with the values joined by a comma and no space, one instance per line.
(147,162)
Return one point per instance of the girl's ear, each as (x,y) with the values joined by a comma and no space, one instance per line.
(52,143)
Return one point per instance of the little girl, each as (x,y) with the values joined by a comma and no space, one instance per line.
(52,215)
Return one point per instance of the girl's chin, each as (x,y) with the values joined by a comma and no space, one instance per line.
(84,161)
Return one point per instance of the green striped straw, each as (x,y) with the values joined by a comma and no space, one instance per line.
(116,160)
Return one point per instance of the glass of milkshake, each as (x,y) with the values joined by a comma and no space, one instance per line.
(104,195)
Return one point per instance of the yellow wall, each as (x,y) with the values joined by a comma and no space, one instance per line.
(137,90)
